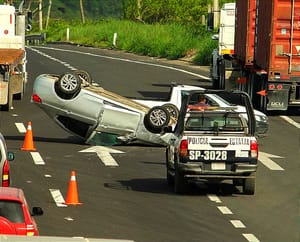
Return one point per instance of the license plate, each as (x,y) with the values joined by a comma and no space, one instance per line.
(218,166)
(209,155)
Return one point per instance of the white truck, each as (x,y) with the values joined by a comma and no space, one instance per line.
(13,76)
(221,64)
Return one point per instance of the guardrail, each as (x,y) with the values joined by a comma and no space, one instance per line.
(35,39)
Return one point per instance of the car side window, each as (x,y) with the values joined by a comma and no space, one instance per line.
(12,211)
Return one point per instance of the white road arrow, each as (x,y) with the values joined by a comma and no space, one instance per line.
(265,159)
(104,154)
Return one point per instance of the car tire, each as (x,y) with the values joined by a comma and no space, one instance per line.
(84,76)
(249,186)
(157,118)
(172,109)
(68,83)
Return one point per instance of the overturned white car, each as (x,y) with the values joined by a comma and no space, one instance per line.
(85,109)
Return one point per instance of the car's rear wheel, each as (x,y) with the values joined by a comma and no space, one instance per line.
(69,83)
(84,76)
(156,119)
(172,109)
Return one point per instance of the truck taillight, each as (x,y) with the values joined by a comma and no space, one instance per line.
(253,149)
(183,148)
(5,174)
(36,98)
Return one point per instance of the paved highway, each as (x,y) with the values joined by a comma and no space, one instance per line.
(130,199)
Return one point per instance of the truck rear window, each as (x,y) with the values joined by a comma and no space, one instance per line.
(214,124)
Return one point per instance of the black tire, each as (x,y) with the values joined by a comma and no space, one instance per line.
(249,186)
(84,76)
(180,184)
(170,178)
(157,118)
(68,83)
(172,109)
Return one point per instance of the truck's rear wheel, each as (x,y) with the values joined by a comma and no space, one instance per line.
(180,184)
(249,186)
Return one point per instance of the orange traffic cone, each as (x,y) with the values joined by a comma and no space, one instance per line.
(72,195)
(28,141)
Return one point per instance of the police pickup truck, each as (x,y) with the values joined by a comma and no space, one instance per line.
(213,144)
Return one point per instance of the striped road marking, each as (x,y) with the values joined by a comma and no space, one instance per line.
(21,128)
(224,210)
(37,159)
(251,237)
(237,224)
(58,198)
(214,198)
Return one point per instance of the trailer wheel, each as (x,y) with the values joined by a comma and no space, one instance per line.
(156,119)
(172,109)
(84,76)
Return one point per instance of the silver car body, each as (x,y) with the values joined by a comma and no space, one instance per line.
(92,111)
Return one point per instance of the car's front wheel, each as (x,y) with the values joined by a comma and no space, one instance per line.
(156,119)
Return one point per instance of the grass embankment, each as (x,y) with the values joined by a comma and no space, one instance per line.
(171,41)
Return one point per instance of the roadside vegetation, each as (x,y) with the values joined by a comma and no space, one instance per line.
(171,29)
(171,41)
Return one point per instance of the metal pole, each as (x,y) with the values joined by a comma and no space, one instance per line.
(40,15)
(216,13)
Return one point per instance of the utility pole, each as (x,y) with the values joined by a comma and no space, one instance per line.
(138,3)
(40,15)
(216,11)
(81,11)
(48,14)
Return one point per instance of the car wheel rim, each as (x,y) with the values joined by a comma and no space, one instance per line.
(69,82)
(158,117)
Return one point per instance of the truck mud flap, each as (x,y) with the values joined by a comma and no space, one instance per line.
(278,99)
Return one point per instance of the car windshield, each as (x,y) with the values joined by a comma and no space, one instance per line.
(12,211)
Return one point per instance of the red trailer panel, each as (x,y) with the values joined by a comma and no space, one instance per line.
(245,30)
(278,38)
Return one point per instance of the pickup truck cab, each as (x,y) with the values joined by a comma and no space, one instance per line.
(214,144)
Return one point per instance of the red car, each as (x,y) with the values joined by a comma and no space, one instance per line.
(15,217)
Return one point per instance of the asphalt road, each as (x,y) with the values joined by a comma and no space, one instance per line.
(132,200)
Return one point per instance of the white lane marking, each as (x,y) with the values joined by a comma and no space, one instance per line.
(104,154)
(291,121)
(264,158)
(224,210)
(120,59)
(237,224)
(38,160)
(214,198)
(58,198)
(21,128)
(251,237)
